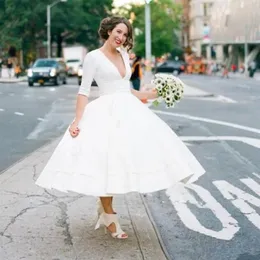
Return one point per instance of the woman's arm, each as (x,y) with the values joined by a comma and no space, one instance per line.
(145,94)
(82,101)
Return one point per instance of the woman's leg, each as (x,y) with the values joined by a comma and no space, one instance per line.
(108,208)
(107,204)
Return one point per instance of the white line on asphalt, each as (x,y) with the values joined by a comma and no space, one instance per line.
(256,175)
(40,119)
(1,109)
(52,89)
(225,99)
(208,120)
(188,144)
(19,114)
(26,95)
(181,198)
(241,199)
(217,98)
(247,140)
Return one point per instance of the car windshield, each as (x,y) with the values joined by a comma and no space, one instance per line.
(72,60)
(44,63)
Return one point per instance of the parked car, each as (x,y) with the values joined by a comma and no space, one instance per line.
(47,70)
(80,72)
(171,66)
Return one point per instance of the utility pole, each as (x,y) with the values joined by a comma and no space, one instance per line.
(48,31)
(49,26)
(148,42)
(246,49)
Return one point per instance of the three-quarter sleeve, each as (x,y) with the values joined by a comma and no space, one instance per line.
(88,74)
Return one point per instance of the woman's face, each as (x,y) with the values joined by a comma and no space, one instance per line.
(118,35)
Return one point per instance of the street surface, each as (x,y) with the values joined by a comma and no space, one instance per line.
(216,218)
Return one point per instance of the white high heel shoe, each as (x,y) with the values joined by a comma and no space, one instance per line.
(106,220)
(100,208)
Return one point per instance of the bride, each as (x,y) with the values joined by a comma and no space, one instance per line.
(116,144)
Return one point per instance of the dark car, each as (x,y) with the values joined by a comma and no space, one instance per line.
(47,71)
(80,72)
(171,66)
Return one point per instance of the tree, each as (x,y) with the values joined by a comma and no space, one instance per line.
(165,20)
(78,21)
(23,23)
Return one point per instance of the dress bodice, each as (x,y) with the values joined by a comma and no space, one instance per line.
(97,66)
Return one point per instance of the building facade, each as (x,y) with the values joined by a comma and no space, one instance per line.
(223,30)
(235,31)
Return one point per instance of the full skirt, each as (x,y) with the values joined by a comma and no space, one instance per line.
(122,147)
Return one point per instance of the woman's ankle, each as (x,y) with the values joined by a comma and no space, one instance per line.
(109,211)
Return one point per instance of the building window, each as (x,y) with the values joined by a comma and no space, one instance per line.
(205,9)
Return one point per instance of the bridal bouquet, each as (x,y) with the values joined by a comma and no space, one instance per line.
(169,89)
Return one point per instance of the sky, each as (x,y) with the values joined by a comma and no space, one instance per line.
(123,2)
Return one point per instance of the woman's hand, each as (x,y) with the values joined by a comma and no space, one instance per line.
(74,130)
(154,93)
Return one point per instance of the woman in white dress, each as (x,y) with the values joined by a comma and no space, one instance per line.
(116,144)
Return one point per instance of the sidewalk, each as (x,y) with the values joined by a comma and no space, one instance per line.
(38,224)
(188,90)
(13,80)
(238,75)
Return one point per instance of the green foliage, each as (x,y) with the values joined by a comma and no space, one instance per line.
(165,20)
(23,22)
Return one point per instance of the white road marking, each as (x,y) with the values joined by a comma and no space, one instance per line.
(256,175)
(188,144)
(253,185)
(52,89)
(217,98)
(239,199)
(180,196)
(26,95)
(41,97)
(1,109)
(225,99)
(243,86)
(19,113)
(247,140)
(208,120)
(40,119)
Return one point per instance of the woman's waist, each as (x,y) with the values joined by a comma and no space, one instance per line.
(111,89)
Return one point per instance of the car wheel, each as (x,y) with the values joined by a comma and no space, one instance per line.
(57,81)
(65,80)
(30,84)
(79,82)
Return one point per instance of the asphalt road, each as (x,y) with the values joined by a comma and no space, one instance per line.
(217,218)
(32,116)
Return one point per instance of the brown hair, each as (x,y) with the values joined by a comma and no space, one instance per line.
(109,23)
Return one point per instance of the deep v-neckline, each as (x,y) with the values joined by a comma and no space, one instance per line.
(122,77)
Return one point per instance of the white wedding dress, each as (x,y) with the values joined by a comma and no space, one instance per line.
(122,146)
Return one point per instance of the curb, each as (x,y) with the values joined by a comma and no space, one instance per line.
(12,81)
(28,155)
(156,230)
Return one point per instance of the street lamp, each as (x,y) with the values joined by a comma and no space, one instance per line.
(148,44)
(49,25)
